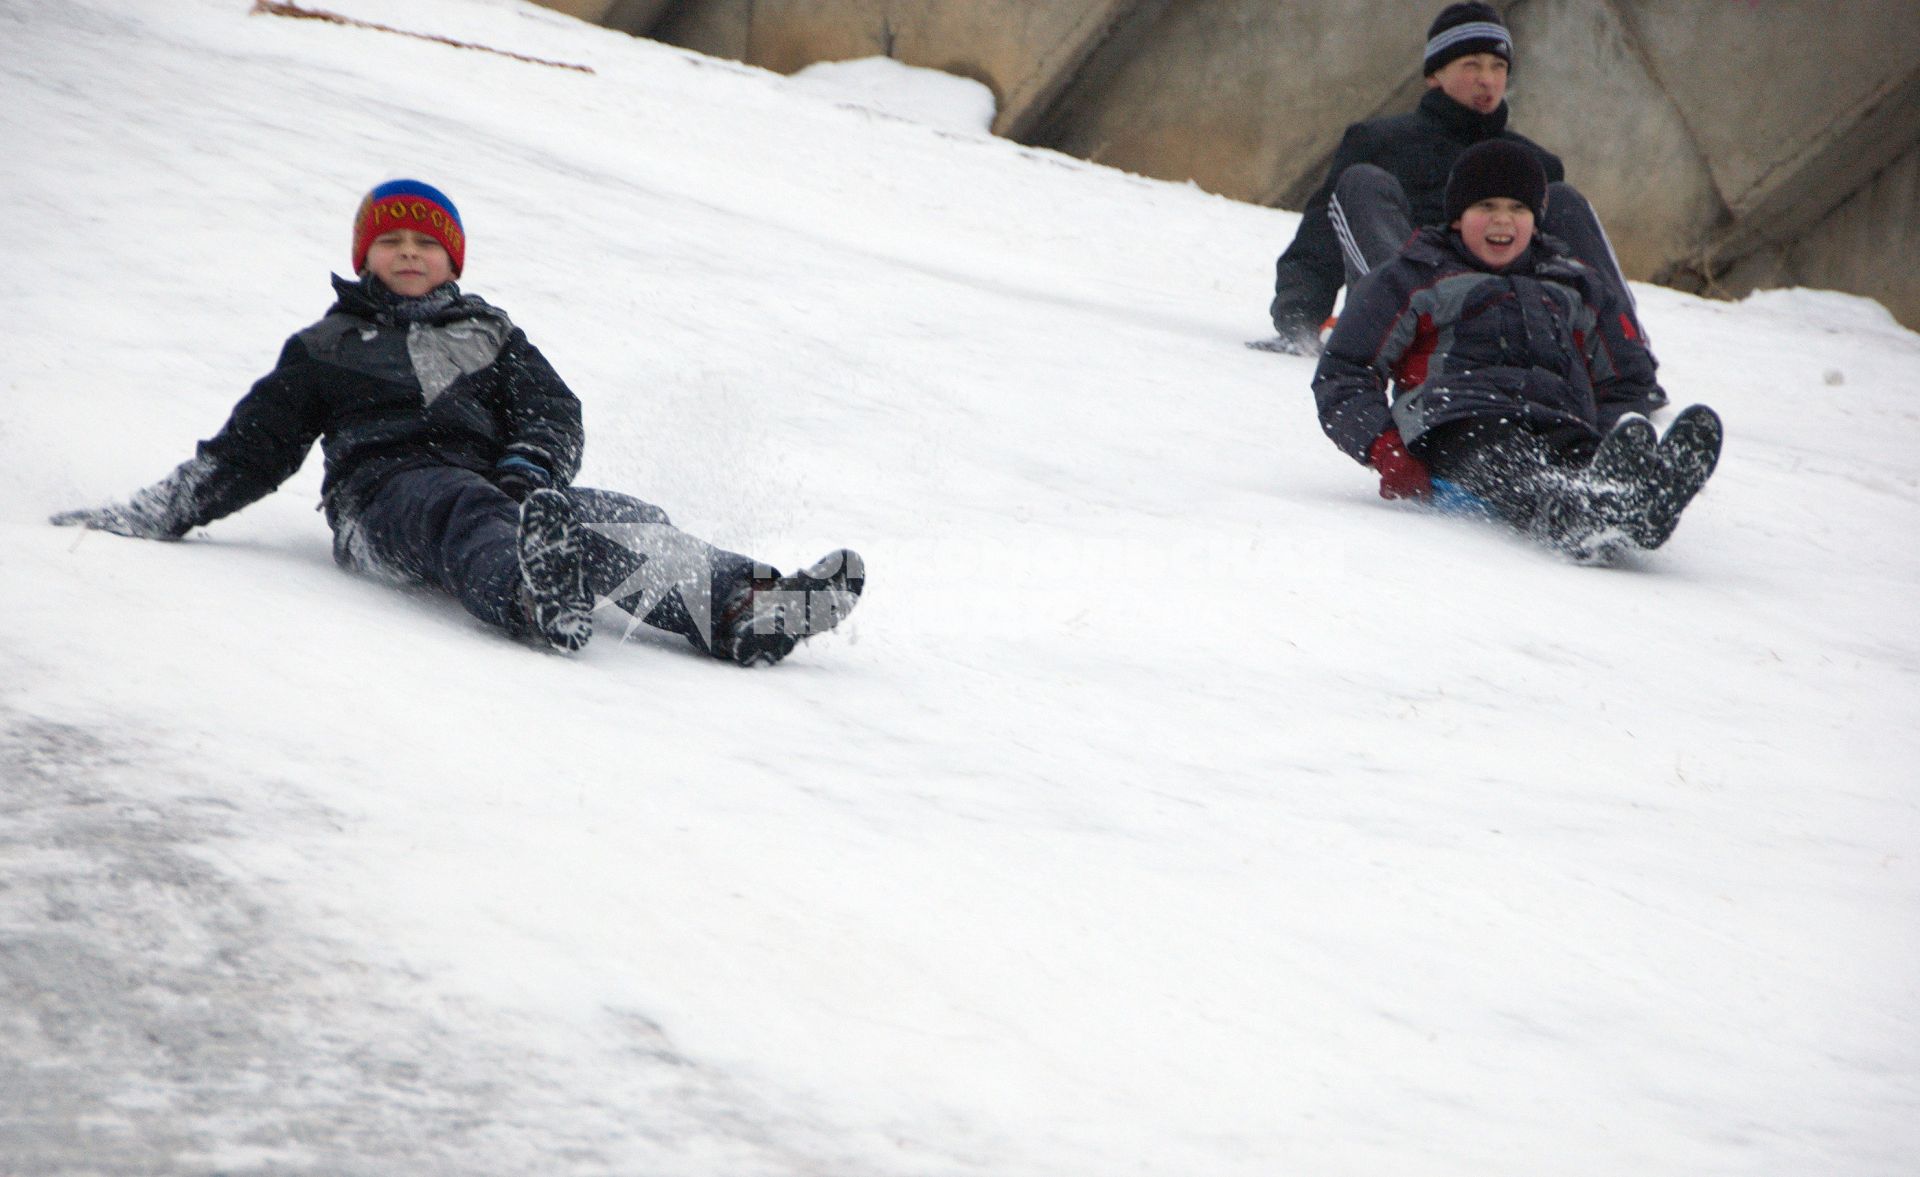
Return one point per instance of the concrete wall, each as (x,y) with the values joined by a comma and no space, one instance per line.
(1801,112)
(1768,88)
(1870,244)
(630,16)
(1205,93)
(1024,52)
(1587,91)
(1726,143)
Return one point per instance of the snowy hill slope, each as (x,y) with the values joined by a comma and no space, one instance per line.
(1172,805)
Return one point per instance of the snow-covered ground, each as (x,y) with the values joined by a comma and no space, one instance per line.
(1172,805)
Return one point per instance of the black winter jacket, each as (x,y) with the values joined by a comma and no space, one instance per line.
(1417,149)
(1460,343)
(387,390)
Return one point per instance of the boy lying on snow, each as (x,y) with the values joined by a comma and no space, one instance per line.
(1507,395)
(450,448)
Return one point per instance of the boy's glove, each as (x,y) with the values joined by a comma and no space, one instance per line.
(1295,336)
(520,476)
(120,520)
(1402,476)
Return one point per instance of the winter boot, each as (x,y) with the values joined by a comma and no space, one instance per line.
(1604,505)
(1560,507)
(766,617)
(1629,455)
(553,572)
(1688,454)
(1583,518)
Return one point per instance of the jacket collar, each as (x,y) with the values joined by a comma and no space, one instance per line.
(1546,257)
(1463,122)
(368,298)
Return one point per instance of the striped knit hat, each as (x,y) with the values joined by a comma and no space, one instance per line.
(1461,29)
(408,204)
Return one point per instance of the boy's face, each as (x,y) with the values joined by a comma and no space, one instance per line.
(1497,230)
(1477,81)
(409,262)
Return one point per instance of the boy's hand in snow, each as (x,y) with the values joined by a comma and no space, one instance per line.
(520,476)
(1402,476)
(117,519)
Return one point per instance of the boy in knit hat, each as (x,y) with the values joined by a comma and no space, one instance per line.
(1389,172)
(451,446)
(1505,396)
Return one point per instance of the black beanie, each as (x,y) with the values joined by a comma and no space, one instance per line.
(1496,167)
(1461,29)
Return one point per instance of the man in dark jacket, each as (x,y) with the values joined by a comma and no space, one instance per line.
(1468,56)
(451,446)
(1503,390)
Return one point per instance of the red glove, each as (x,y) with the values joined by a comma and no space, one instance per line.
(1402,476)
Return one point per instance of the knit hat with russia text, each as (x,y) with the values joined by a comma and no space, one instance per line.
(409,204)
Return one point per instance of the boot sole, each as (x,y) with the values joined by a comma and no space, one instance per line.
(802,605)
(1692,450)
(552,558)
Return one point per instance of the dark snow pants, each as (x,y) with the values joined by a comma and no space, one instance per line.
(1538,484)
(452,529)
(1373,220)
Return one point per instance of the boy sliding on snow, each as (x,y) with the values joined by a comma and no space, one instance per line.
(1504,386)
(450,448)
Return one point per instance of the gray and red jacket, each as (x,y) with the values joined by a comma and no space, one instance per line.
(1418,149)
(1456,342)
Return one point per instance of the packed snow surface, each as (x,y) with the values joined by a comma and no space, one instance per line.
(885,86)
(1172,805)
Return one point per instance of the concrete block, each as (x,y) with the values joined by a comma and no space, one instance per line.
(1583,90)
(1869,245)
(629,16)
(717,28)
(1764,88)
(1024,52)
(1245,97)
(587,10)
